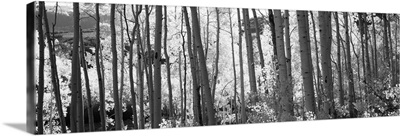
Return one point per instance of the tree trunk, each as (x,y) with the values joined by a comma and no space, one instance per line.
(99,73)
(234,67)
(132,88)
(273,33)
(171,106)
(203,67)
(385,40)
(289,60)
(352,110)
(54,73)
(118,119)
(375,49)
(180,88)
(41,69)
(121,88)
(392,67)
(88,93)
(306,62)
(341,91)
(284,114)
(319,87)
(215,76)
(196,87)
(326,39)
(250,58)
(157,67)
(149,65)
(258,39)
(140,58)
(242,100)
(76,99)
(207,33)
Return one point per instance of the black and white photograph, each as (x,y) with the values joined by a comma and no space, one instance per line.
(95,67)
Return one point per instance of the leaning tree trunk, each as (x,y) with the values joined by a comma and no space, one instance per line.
(339,61)
(157,68)
(54,73)
(250,58)
(306,62)
(88,93)
(258,38)
(203,67)
(118,119)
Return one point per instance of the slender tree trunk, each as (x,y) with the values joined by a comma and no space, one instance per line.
(385,40)
(326,39)
(352,110)
(306,62)
(41,68)
(215,76)
(203,67)
(250,58)
(391,54)
(54,73)
(289,60)
(284,114)
(180,88)
(150,71)
(171,106)
(131,80)
(183,85)
(207,33)
(196,87)
(361,29)
(368,64)
(121,88)
(341,91)
(242,100)
(184,73)
(319,87)
(140,58)
(99,73)
(375,46)
(88,93)
(233,66)
(273,33)
(258,39)
(118,119)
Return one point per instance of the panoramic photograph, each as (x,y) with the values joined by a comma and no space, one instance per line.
(110,66)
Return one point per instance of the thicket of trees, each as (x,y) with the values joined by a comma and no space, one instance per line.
(190,66)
